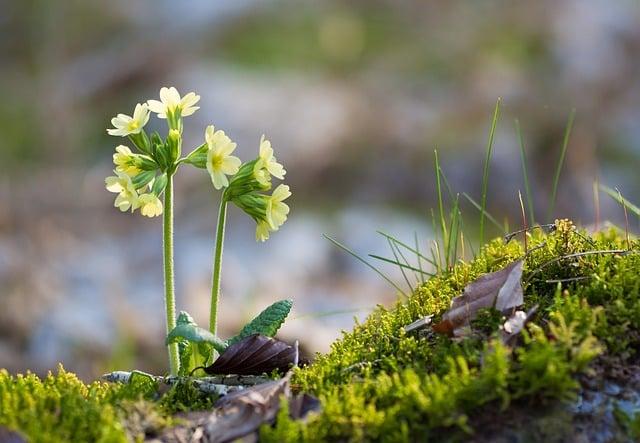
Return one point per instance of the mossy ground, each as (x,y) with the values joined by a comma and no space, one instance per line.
(379,383)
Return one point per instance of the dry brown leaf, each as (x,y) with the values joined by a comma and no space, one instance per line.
(239,415)
(501,289)
(255,355)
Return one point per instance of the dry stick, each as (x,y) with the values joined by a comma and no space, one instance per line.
(596,202)
(524,222)
(565,280)
(577,254)
(509,237)
(626,219)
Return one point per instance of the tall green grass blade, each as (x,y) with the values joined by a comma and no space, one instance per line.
(406,246)
(421,271)
(485,173)
(620,199)
(486,213)
(356,256)
(525,175)
(395,255)
(443,224)
(563,152)
(404,259)
(403,265)
(453,234)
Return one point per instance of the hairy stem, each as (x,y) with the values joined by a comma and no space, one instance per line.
(217,266)
(169,286)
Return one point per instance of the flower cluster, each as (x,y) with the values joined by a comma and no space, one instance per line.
(141,177)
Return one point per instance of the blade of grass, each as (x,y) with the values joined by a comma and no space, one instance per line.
(596,203)
(525,174)
(406,246)
(620,199)
(453,234)
(421,272)
(397,263)
(352,253)
(485,173)
(404,259)
(563,152)
(479,208)
(404,275)
(443,225)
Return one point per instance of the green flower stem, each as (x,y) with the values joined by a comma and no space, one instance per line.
(169,286)
(217,266)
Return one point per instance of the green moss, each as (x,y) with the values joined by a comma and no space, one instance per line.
(61,407)
(380,384)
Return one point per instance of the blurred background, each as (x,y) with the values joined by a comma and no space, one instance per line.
(354,95)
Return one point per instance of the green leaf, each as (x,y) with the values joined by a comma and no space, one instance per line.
(188,330)
(193,355)
(267,322)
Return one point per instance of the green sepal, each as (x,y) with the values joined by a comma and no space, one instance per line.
(145,162)
(141,141)
(143,179)
(159,184)
(267,322)
(198,157)
(187,329)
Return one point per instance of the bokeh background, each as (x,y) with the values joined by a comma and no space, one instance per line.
(355,96)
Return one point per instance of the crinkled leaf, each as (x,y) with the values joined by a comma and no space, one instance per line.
(187,329)
(239,414)
(267,322)
(255,355)
(501,289)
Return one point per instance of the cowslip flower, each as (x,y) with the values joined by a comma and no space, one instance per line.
(124,187)
(277,210)
(150,205)
(125,125)
(220,162)
(262,231)
(267,163)
(170,102)
(123,159)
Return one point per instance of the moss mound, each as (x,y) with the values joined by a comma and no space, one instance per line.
(379,383)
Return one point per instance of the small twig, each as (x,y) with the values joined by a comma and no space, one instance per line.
(565,280)
(576,255)
(524,222)
(626,220)
(511,235)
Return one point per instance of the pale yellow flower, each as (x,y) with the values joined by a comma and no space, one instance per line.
(170,101)
(125,125)
(150,205)
(262,231)
(123,159)
(277,210)
(127,194)
(267,162)
(220,162)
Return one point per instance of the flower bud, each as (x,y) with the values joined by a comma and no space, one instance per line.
(174,143)
(247,180)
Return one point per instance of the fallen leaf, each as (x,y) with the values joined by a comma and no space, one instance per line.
(241,413)
(255,355)
(501,290)
(515,324)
